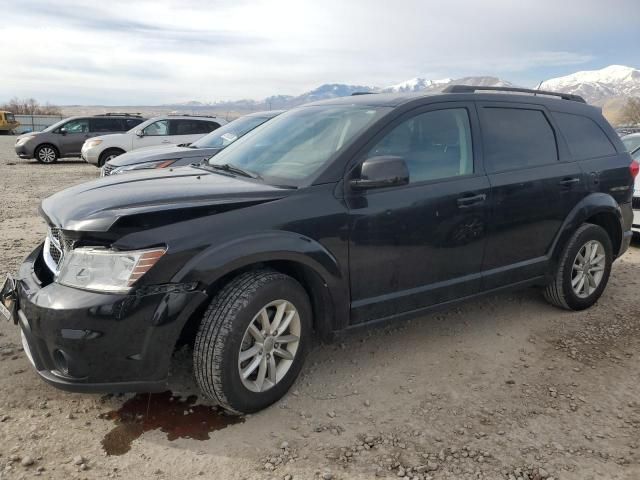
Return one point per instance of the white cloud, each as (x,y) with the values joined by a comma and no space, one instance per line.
(155,52)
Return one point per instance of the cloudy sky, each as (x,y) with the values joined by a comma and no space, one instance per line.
(115,52)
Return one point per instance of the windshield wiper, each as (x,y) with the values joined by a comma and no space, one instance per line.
(227,167)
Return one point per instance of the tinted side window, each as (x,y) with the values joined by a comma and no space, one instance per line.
(434,144)
(517,138)
(129,123)
(206,127)
(191,127)
(585,138)
(105,125)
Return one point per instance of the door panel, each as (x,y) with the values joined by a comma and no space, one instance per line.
(416,246)
(537,186)
(420,244)
(156,133)
(77,131)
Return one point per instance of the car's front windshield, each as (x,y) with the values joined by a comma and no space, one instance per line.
(631,142)
(229,133)
(292,147)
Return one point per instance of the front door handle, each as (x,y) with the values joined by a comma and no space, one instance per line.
(466,202)
(567,182)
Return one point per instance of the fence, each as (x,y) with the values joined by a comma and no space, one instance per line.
(36,123)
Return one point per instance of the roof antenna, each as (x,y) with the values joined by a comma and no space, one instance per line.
(538,87)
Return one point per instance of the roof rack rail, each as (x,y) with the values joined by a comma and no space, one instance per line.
(118,114)
(363,93)
(474,88)
(190,115)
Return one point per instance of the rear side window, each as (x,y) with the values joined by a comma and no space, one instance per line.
(129,123)
(192,127)
(517,138)
(585,138)
(105,125)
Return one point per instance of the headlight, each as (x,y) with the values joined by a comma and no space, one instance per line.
(144,166)
(23,140)
(106,270)
(92,143)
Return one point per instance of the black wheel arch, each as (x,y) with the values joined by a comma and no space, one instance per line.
(597,208)
(291,254)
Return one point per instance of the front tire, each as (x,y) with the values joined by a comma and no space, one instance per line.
(252,341)
(109,155)
(583,270)
(46,154)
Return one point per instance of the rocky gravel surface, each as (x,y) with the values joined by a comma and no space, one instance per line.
(506,387)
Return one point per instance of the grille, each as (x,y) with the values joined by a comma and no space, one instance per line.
(56,244)
(106,170)
(635,203)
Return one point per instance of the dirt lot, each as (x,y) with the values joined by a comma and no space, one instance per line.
(506,387)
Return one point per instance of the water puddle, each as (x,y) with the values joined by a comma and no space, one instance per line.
(177,417)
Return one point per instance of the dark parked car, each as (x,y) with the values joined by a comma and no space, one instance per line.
(331,216)
(181,155)
(65,138)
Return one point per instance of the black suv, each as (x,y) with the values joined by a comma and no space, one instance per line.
(66,137)
(331,216)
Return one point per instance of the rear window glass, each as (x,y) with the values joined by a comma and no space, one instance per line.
(517,138)
(192,127)
(105,125)
(584,137)
(132,122)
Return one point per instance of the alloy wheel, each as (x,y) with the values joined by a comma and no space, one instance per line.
(47,155)
(588,268)
(269,346)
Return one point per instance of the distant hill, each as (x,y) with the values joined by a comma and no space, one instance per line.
(598,86)
(608,87)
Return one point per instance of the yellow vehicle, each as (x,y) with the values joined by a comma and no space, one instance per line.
(7,122)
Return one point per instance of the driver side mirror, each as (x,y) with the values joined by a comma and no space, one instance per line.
(384,171)
(63,131)
(140,133)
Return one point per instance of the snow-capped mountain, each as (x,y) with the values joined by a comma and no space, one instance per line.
(422,84)
(415,85)
(596,86)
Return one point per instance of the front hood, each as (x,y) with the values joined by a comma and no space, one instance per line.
(111,137)
(28,134)
(183,193)
(152,154)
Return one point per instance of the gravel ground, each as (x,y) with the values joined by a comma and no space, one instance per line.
(507,387)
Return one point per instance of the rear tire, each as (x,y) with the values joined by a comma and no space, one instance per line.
(583,270)
(228,343)
(109,154)
(46,154)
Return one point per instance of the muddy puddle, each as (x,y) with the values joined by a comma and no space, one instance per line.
(173,415)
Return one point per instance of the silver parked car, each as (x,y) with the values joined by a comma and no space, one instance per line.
(186,154)
(65,138)
(632,142)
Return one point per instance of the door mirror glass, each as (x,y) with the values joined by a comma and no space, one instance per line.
(384,171)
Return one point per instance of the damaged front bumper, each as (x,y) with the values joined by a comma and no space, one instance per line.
(85,341)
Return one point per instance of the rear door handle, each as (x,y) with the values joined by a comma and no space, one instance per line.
(466,202)
(566,182)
